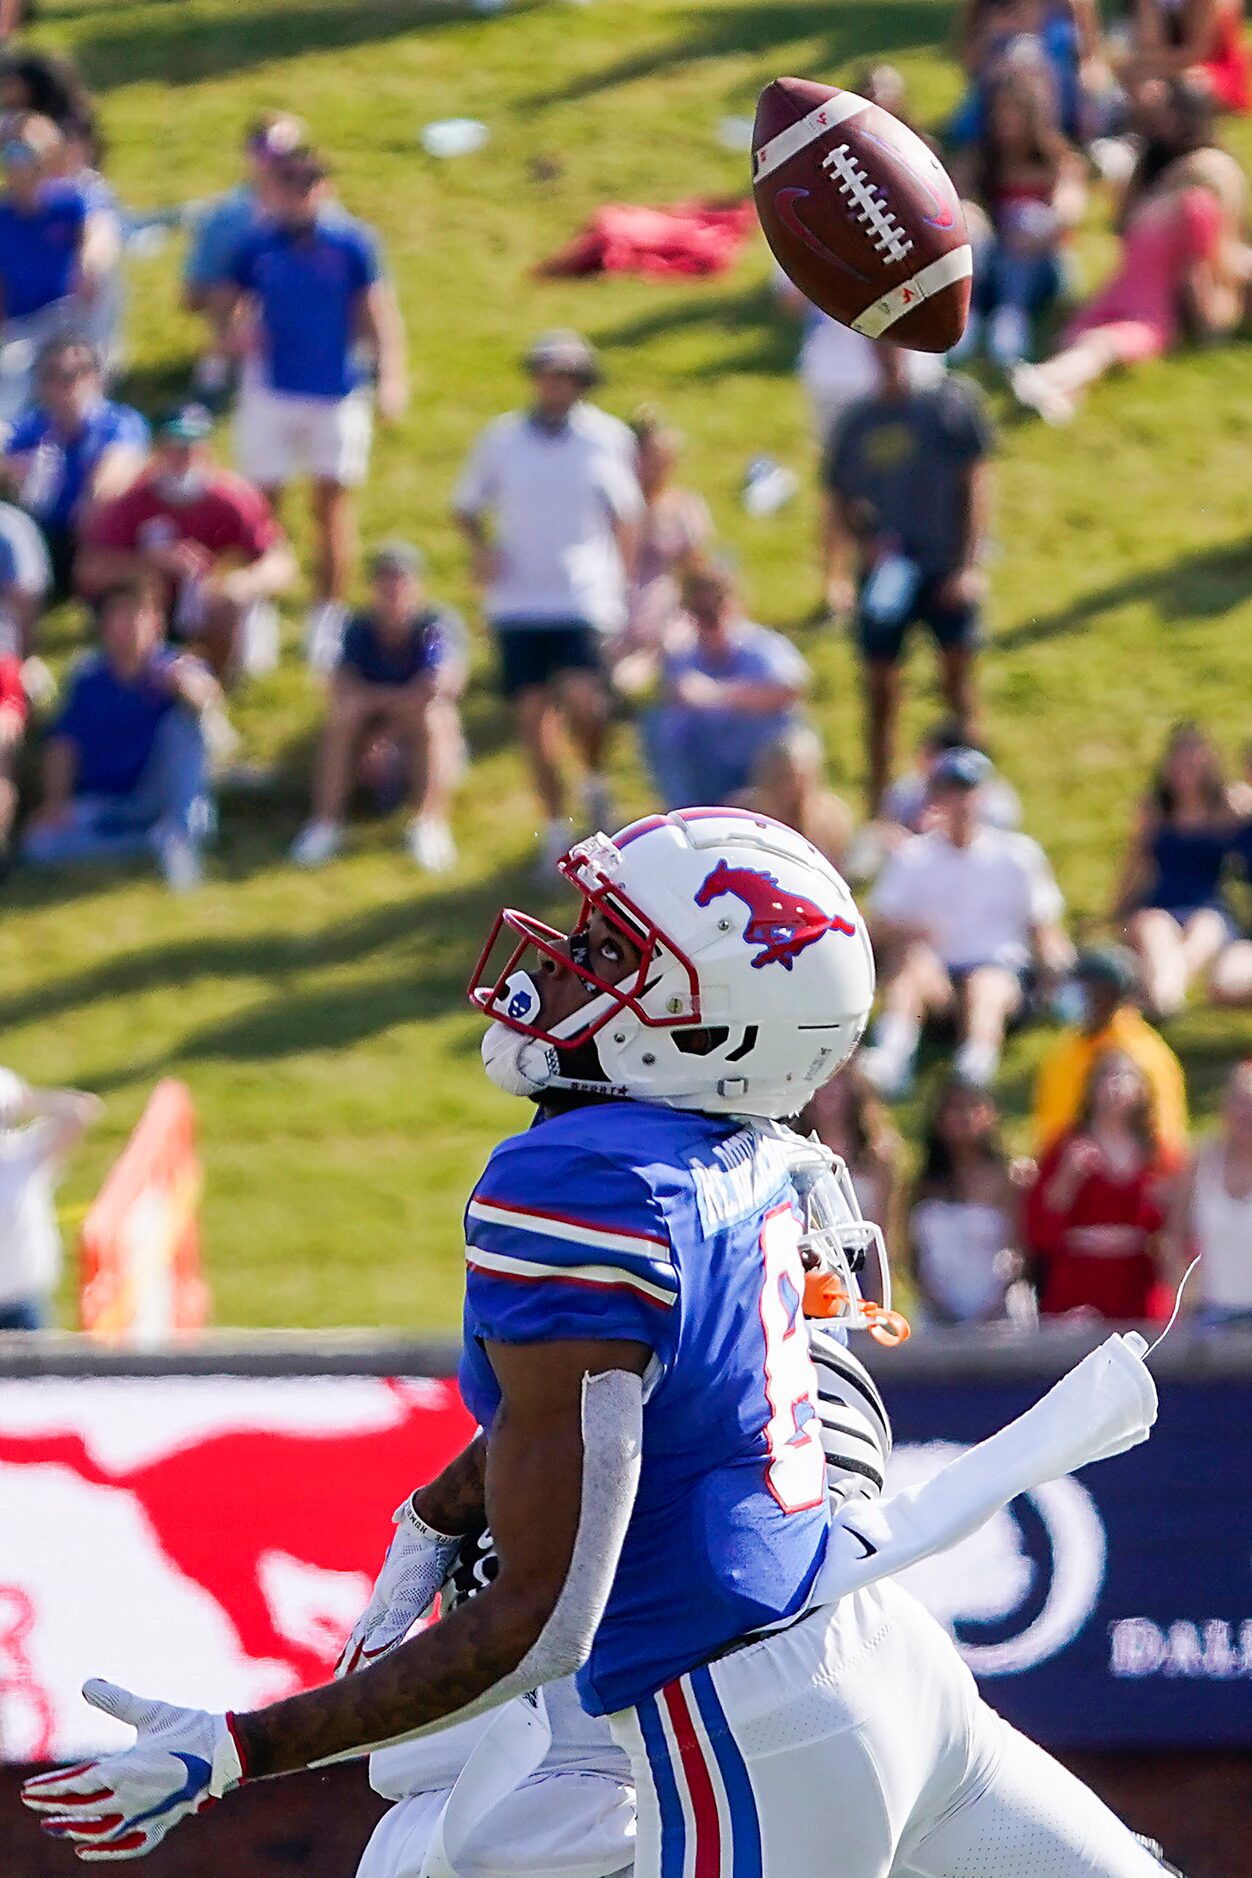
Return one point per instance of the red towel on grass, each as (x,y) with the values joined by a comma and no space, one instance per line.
(687,238)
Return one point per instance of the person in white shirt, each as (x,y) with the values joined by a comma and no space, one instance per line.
(963,914)
(551,506)
(38,1129)
(1211,1215)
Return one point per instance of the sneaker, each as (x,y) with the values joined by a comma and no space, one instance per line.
(178,860)
(1031,387)
(558,837)
(887,1072)
(597,804)
(323,634)
(262,644)
(317,843)
(429,841)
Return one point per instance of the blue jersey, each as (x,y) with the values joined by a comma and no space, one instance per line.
(623,1220)
(308,285)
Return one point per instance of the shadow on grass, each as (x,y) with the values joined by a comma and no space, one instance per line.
(850,30)
(190,46)
(1197,586)
(771,339)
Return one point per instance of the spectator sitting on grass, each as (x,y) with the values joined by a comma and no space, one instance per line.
(39,1129)
(905,804)
(221,231)
(124,770)
(1171,895)
(1100,1199)
(24,578)
(1212,1214)
(788,784)
(209,537)
(70,449)
(675,530)
(967,919)
(55,251)
(964,1218)
(730,689)
(907,484)
(1105,988)
(397,681)
(1183,269)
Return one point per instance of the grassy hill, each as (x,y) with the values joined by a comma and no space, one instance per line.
(320,1020)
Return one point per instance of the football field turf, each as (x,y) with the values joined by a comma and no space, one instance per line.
(319,1019)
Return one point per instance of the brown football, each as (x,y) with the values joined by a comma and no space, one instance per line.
(861,214)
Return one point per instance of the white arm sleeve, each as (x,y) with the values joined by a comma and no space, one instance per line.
(612,1427)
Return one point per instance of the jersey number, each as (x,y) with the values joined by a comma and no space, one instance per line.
(796,1474)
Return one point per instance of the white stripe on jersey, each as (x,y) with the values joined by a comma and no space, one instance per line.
(603,1277)
(550,1226)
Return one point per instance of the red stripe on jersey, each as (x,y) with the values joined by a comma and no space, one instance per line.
(708,1827)
(585,1284)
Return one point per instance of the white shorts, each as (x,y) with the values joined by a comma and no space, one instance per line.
(556,1825)
(855,1745)
(278,437)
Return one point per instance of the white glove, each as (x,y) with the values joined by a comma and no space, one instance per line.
(417,1562)
(123,1805)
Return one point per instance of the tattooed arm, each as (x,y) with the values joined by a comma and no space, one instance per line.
(453,1501)
(533,1500)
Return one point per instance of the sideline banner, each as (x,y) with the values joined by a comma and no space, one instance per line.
(140,1244)
(210,1539)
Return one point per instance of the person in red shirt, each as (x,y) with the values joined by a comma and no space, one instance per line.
(1099,1202)
(208,536)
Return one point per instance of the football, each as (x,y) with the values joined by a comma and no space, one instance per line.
(861,215)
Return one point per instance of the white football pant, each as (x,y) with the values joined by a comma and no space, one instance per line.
(855,1745)
(561,1824)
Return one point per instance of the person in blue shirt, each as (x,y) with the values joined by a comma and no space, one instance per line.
(71,448)
(124,765)
(308,299)
(55,251)
(730,689)
(393,704)
(219,231)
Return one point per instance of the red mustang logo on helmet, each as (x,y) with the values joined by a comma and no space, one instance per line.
(782,923)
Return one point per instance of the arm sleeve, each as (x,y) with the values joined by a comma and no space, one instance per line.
(894,897)
(367,259)
(476,484)
(620,488)
(31,572)
(1046,901)
(783,664)
(566,1244)
(130,430)
(256,530)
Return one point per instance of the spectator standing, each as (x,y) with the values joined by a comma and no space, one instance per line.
(398,677)
(907,482)
(207,536)
(966,918)
(220,232)
(675,531)
(70,449)
(1171,894)
(788,782)
(308,298)
(1212,1213)
(1026,180)
(848,1116)
(124,765)
(964,1219)
(551,506)
(39,1129)
(55,251)
(1100,1199)
(1106,1016)
(730,689)
(836,366)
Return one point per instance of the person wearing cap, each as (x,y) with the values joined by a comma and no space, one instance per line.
(393,699)
(306,297)
(221,229)
(206,536)
(56,250)
(39,1129)
(907,484)
(1101,999)
(551,506)
(73,447)
(966,918)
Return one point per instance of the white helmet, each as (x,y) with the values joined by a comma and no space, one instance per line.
(755,977)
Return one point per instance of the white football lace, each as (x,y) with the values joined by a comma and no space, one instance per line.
(867,204)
